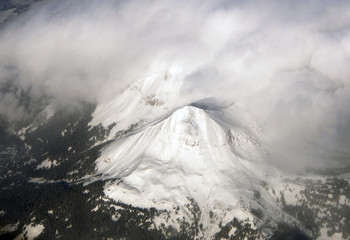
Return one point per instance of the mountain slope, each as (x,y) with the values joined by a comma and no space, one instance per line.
(197,171)
(199,152)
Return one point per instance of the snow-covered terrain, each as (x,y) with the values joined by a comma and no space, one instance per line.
(205,151)
(174,120)
(189,169)
(143,101)
(30,232)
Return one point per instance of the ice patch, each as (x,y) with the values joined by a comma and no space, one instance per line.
(9,227)
(30,232)
(95,209)
(342,199)
(47,163)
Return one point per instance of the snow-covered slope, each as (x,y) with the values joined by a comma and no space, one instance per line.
(145,100)
(204,152)
(176,170)
(203,162)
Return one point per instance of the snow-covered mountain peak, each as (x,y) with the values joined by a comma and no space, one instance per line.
(189,124)
(187,129)
(169,156)
(190,154)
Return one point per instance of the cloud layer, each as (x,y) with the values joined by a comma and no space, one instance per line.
(286,61)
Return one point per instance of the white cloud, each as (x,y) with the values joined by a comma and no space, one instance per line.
(287,61)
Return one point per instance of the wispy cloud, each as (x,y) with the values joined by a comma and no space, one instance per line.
(286,61)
